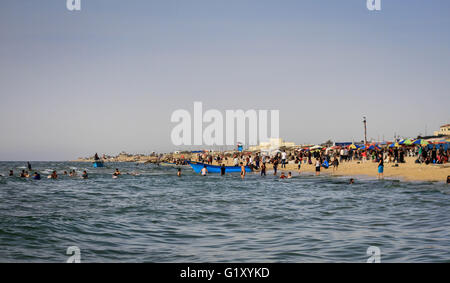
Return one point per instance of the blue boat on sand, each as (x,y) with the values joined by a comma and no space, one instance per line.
(216,169)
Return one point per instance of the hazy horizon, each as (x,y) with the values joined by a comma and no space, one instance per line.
(107,78)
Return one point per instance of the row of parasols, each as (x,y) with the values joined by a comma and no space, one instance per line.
(438,143)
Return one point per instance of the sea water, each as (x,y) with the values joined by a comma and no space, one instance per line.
(159,217)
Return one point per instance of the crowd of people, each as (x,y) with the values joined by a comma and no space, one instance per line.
(329,157)
(37,176)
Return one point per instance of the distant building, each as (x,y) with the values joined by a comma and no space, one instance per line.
(443,131)
(272,144)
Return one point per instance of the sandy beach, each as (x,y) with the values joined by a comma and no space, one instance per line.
(409,171)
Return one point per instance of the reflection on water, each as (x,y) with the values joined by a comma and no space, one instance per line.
(158,217)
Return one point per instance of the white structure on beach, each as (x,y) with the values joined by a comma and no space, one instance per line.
(443,131)
(272,145)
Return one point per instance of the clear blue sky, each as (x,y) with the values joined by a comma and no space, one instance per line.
(107,78)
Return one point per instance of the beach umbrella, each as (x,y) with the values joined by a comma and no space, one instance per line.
(418,141)
(316,147)
(394,145)
(352,146)
(373,146)
(408,142)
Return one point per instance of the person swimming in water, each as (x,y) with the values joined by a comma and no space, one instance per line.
(448,179)
(289,176)
(36,176)
(24,174)
(179,172)
(222,170)
(53,176)
(116,173)
(11,173)
(352,181)
(84,175)
(282,176)
(29,166)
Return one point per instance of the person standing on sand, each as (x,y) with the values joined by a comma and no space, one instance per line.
(317,167)
(283,159)
(335,163)
(236,161)
(242,171)
(380,167)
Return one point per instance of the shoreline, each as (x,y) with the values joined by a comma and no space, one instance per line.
(408,171)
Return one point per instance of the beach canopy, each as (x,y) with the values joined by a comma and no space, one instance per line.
(316,147)
(353,146)
(373,146)
(408,142)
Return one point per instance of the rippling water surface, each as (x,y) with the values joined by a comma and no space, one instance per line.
(158,217)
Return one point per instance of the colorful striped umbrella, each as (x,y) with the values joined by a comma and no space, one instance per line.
(353,146)
(408,142)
